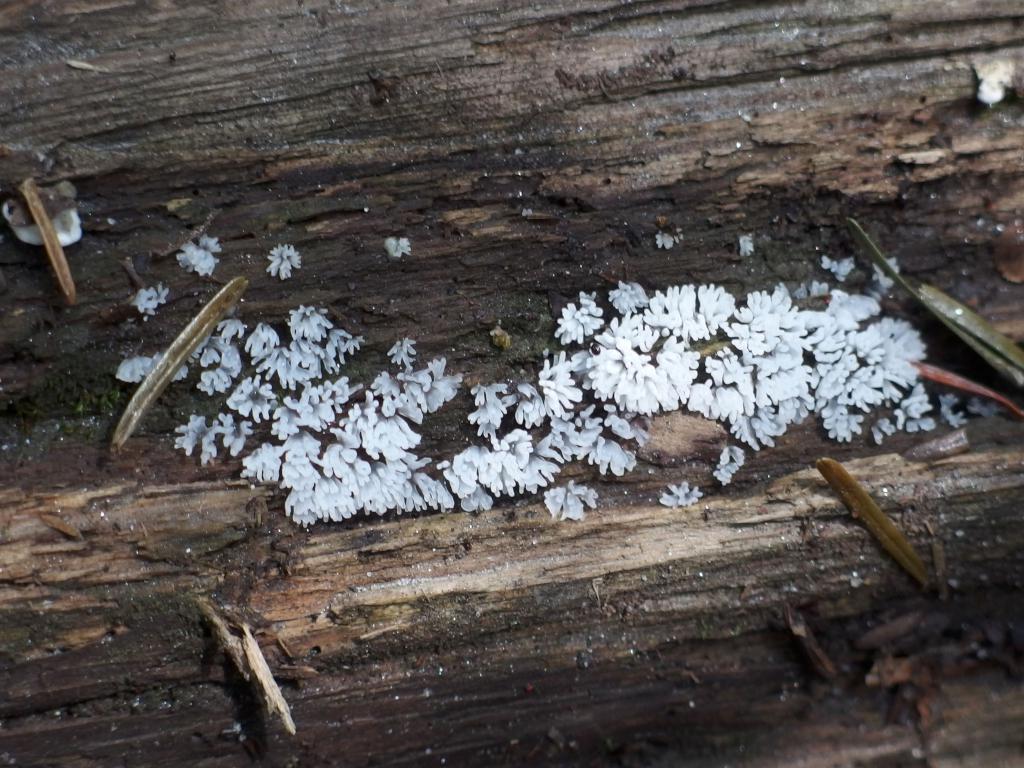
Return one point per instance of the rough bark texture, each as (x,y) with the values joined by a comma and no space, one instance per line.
(640,636)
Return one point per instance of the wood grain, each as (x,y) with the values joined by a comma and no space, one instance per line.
(642,636)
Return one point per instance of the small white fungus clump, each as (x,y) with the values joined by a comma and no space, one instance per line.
(282,259)
(200,257)
(569,501)
(746,245)
(729,462)
(397,247)
(579,320)
(403,353)
(147,300)
(681,495)
(840,268)
(664,240)
(994,77)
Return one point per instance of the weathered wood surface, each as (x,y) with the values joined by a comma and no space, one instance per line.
(641,636)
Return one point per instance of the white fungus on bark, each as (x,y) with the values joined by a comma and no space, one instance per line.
(757,363)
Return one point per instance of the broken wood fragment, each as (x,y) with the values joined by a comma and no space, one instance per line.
(889,632)
(951,444)
(61,526)
(250,662)
(270,693)
(815,654)
(863,507)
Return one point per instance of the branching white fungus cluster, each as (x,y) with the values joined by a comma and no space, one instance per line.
(758,366)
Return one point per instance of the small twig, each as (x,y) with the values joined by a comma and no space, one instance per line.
(133,276)
(84,65)
(176,355)
(51,242)
(192,235)
(378,632)
(271,693)
(863,507)
(820,661)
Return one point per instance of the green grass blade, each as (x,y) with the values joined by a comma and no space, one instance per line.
(997,350)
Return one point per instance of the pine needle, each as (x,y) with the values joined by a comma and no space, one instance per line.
(176,355)
(950,379)
(864,508)
(51,242)
(975,331)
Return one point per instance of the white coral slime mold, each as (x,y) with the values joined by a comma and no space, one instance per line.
(758,365)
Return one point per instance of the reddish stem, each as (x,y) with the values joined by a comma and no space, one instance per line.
(950,379)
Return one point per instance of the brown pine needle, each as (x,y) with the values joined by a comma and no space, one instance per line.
(51,243)
(181,348)
(995,348)
(863,507)
(950,379)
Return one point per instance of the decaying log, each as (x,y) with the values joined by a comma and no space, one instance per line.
(527,151)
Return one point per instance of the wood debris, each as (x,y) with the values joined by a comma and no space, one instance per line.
(887,633)
(1008,254)
(61,526)
(51,242)
(500,338)
(815,654)
(379,631)
(250,662)
(864,508)
(951,444)
(271,693)
(177,355)
(84,65)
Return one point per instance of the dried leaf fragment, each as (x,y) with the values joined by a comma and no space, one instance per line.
(181,348)
(998,351)
(863,507)
(51,241)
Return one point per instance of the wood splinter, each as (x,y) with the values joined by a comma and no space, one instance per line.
(51,242)
(815,654)
(251,664)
